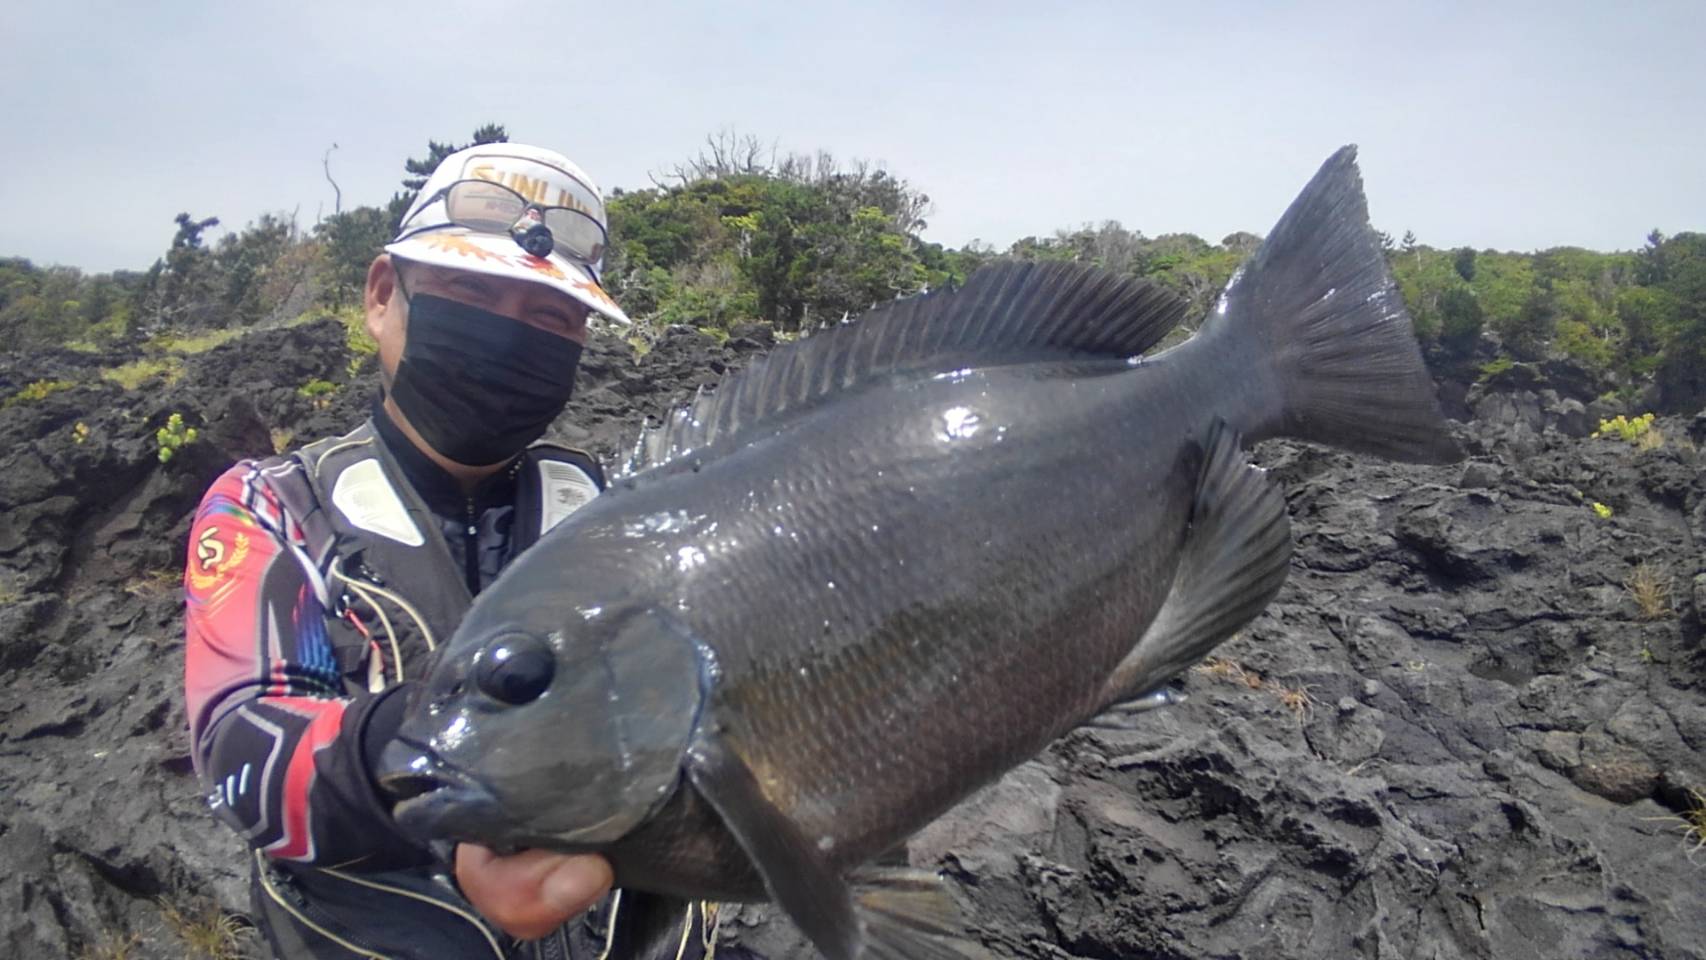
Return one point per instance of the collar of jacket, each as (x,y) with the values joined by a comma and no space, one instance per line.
(439,490)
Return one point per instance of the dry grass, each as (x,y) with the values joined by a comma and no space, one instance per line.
(1692,822)
(1651,439)
(154,582)
(1221,668)
(1649,587)
(1297,700)
(206,932)
(112,947)
(281,438)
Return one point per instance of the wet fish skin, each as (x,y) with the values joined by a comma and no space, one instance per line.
(785,650)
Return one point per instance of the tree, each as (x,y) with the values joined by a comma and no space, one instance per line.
(416,171)
(183,287)
(1243,242)
(1681,273)
(1460,320)
(1531,330)
(350,241)
(1464,263)
(248,261)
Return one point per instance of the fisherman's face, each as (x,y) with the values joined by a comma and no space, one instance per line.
(534,304)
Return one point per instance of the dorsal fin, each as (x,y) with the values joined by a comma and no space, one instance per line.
(1006,313)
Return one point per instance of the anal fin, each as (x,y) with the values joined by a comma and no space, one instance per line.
(1235,558)
(909,913)
(885,914)
(650,926)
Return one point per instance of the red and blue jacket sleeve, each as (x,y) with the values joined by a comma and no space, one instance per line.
(280,740)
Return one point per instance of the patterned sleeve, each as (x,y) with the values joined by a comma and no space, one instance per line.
(277,738)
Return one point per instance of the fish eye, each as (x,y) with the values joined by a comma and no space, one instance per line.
(515,668)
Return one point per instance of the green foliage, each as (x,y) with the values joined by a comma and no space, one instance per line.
(799,240)
(173,437)
(418,170)
(795,242)
(1494,367)
(137,372)
(317,388)
(193,343)
(1460,319)
(1464,263)
(1527,334)
(1677,266)
(80,432)
(349,242)
(1628,430)
(1601,510)
(1502,283)
(36,392)
(357,340)
(1578,340)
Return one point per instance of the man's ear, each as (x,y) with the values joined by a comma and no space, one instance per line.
(381,287)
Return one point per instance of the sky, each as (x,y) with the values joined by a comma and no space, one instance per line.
(1516,126)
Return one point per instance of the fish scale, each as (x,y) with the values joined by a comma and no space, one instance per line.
(884,565)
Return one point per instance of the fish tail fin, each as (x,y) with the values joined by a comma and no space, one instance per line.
(1320,330)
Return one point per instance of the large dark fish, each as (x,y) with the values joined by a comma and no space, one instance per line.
(892,561)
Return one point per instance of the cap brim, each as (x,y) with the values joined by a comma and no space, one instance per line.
(462,249)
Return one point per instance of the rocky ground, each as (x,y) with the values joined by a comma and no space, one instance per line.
(1456,733)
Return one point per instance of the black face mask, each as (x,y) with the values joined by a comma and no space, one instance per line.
(480,386)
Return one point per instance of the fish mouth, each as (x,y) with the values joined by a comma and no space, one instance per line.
(433,800)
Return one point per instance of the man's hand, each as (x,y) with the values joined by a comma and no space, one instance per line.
(531,893)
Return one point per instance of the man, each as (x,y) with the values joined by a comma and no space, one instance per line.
(318,582)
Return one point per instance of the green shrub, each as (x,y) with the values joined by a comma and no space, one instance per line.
(317,388)
(1629,431)
(36,392)
(1494,367)
(137,372)
(356,338)
(196,343)
(173,437)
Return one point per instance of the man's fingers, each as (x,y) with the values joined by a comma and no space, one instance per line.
(574,885)
(533,892)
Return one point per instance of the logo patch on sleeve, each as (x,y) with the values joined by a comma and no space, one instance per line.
(219,549)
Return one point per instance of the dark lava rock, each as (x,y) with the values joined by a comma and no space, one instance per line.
(1452,734)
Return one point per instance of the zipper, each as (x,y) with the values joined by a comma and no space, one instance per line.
(471,550)
(300,913)
(423,898)
(553,947)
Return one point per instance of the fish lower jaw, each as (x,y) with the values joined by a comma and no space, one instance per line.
(439,810)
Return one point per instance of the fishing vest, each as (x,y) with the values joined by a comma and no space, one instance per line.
(394,591)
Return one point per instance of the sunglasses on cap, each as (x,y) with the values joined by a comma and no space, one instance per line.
(489,207)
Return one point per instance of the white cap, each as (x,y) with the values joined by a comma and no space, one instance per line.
(428,236)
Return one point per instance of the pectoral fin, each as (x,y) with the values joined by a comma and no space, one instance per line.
(1235,558)
(1127,714)
(894,914)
